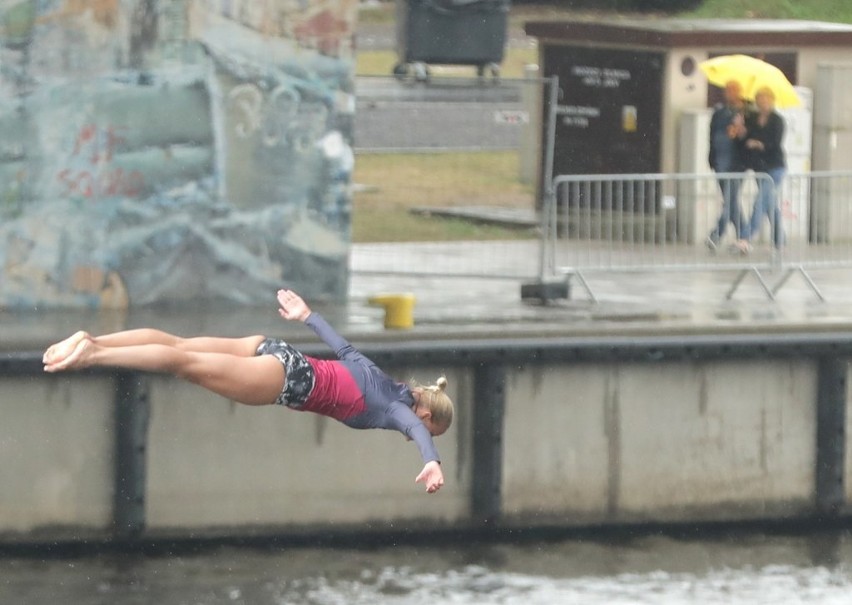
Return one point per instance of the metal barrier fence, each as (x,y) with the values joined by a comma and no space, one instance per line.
(655,222)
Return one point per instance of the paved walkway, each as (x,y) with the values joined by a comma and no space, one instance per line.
(632,303)
(655,301)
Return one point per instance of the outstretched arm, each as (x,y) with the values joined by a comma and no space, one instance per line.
(293,307)
(403,419)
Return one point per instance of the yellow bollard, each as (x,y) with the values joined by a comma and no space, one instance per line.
(399,309)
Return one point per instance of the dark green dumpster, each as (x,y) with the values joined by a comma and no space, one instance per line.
(450,32)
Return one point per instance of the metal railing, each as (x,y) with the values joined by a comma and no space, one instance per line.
(662,222)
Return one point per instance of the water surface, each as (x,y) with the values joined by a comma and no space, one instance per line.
(660,570)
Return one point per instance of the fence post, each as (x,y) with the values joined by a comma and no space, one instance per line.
(831,435)
(489,399)
(548,287)
(132,411)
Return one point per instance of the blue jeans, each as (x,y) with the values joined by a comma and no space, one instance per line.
(731,211)
(766,205)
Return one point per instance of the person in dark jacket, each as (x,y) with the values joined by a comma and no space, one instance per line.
(764,154)
(727,131)
(256,370)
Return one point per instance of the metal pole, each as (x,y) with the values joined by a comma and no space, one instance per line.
(831,436)
(548,208)
(132,412)
(489,400)
(547,289)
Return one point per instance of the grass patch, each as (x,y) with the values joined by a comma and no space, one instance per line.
(378,14)
(835,11)
(390,185)
(375,62)
(441,179)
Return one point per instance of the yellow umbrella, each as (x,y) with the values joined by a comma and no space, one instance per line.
(752,74)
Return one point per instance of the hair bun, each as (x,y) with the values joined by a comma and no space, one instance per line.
(442,382)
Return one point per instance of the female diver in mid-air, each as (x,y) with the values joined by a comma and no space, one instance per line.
(256,370)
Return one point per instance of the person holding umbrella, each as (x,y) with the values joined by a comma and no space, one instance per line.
(763,153)
(727,132)
(761,147)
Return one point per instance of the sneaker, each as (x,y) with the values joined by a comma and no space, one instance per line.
(711,244)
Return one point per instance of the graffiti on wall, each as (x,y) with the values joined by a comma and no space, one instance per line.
(169,151)
(91,172)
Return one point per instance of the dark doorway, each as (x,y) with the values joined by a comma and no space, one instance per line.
(608,122)
(610,110)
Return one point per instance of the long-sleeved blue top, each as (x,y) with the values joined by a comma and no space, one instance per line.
(726,153)
(355,391)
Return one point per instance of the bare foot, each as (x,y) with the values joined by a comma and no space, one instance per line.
(78,358)
(56,353)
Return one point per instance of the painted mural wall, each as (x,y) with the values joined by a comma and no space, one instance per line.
(171,151)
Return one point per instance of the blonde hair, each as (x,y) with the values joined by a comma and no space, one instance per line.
(765,90)
(435,399)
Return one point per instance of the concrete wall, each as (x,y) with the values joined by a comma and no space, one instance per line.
(641,442)
(602,442)
(56,456)
(142,145)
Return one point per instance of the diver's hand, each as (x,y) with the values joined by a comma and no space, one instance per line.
(431,476)
(292,306)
